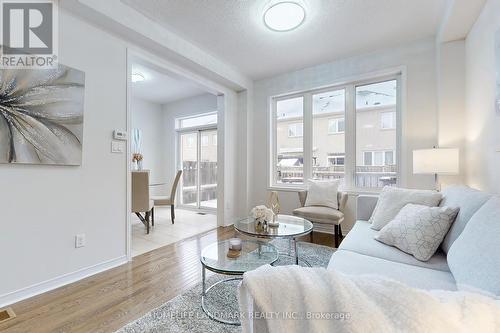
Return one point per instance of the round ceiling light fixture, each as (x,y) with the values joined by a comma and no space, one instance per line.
(284,16)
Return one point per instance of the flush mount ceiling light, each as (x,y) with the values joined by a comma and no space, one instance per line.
(284,16)
(138,77)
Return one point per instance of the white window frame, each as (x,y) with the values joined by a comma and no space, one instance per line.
(333,157)
(297,126)
(178,121)
(383,152)
(336,122)
(398,74)
(393,123)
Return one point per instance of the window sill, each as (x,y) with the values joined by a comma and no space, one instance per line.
(278,188)
(352,191)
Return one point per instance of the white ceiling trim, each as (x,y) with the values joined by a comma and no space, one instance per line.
(134,27)
(459,19)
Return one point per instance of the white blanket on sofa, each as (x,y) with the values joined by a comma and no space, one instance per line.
(296,299)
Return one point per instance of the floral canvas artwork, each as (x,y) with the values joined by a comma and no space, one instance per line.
(41,116)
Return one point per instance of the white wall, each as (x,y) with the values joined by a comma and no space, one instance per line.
(179,109)
(482,122)
(44,207)
(245,105)
(148,117)
(230,187)
(420,111)
(451,103)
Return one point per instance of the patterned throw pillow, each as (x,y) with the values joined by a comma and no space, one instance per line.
(418,230)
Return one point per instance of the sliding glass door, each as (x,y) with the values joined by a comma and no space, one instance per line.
(208,169)
(198,159)
(188,149)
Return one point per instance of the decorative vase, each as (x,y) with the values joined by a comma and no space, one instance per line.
(139,165)
(134,166)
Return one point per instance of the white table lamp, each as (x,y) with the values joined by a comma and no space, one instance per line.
(436,161)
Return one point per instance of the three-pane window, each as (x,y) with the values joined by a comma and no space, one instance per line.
(378,158)
(347,133)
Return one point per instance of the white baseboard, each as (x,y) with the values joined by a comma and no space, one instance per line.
(59,281)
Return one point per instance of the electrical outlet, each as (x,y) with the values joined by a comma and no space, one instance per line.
(80,240)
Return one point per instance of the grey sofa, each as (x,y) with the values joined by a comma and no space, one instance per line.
(467,259)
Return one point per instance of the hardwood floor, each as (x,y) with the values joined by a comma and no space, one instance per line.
(189,223)
(107,301)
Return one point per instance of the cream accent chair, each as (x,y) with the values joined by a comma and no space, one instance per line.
(168,200)
(324,215)
(141,202)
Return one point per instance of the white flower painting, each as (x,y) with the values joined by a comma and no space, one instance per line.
(41,116)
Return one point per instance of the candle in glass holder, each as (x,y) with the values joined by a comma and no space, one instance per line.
(235,244)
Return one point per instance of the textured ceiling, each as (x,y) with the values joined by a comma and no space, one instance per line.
(159,87)
(233,29)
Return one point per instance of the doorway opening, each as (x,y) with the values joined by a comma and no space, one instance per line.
(174,150)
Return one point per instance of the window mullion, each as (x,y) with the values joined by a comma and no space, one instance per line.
(350,137)
(308,137)
(273,156)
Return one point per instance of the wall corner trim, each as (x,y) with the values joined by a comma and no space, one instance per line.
(48,285)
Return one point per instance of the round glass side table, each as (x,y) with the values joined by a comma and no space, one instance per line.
(214,258)
(290,227)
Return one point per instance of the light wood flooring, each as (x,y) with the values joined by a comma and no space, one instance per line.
(107,301)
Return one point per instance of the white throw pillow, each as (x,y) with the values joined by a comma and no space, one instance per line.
(393,199)
(418,230)
(323,193)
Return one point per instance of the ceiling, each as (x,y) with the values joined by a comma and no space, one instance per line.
(159,87)
(234,32)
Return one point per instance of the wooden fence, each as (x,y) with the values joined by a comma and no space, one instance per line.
(365,176)
(208,181)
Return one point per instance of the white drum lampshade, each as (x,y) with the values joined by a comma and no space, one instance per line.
(436,161)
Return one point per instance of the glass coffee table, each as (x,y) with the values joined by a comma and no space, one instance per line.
(290,227)
(214,258)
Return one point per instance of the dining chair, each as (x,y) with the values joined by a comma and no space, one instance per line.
(159,200)
(142,203)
